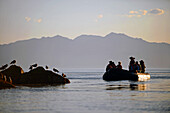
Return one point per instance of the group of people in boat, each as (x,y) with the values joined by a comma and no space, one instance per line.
(112,65)
(134,66)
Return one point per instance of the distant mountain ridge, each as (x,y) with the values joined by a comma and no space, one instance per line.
(86,51)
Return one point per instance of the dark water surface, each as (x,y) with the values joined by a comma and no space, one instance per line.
(88,93)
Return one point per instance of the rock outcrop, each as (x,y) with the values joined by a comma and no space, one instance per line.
(14,72)
(38,76)
(5,84)
(41,76)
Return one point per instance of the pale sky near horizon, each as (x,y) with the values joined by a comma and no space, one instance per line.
(26,19)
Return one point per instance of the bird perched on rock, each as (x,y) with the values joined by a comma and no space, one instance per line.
(34,65)
(55,70)
(4,67)
(63,75)
(46,67)
(31,67)
(13,62)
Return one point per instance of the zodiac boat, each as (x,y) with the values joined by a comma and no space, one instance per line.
(121,74)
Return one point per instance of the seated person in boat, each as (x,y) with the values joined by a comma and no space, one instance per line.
(119,66)
(137,66)
(142,66)
(110,65)
(132,64)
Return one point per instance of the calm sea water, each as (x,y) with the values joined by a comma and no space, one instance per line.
(88,93)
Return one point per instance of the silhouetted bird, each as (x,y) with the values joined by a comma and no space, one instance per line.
(4,67)
(63,75)
(46,67)
(13,62)
(55,70)
(31,67)
(34,65)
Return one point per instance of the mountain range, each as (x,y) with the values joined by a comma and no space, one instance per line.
(85,51)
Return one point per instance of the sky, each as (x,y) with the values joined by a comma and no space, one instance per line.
(26,19)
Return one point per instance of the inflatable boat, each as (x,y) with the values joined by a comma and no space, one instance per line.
(120,74)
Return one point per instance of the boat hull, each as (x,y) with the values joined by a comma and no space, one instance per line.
(119,74)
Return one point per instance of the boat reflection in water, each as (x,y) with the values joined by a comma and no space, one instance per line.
(138,87)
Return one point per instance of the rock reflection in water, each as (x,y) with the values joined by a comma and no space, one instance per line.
(138,87)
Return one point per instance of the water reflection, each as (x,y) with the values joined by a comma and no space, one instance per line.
(41,85)
(138,87)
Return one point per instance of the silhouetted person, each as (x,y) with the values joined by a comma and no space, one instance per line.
(4,67)
(142,66)
(132,64)
(110,65)
(137,66)
(113,64)
(46,67)
(119,66)
(55,70)
(13,62)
